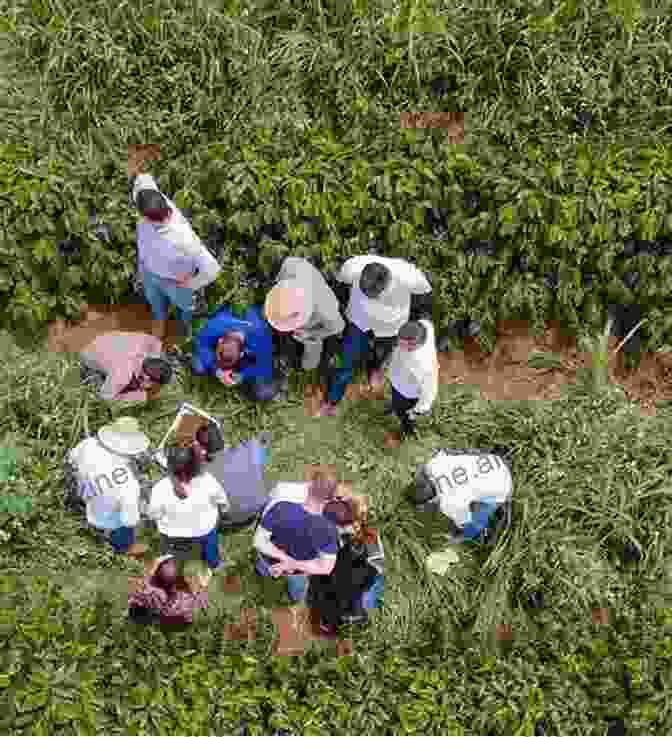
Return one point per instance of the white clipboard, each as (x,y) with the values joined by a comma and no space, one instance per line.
(159,455)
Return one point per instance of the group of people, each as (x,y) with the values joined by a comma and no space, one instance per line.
(377,329)
(315,532)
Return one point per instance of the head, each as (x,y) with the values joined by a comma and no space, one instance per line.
(229,350)
(349,509)
(207,441)
(374,280)
(156,373)
(165,575)
(153,205)
(413,335)
(287,307)
(183,463)
(322,485)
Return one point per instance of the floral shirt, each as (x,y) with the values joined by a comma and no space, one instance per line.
(181,606)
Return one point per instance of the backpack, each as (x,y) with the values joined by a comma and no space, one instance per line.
(472,488)
(335,597)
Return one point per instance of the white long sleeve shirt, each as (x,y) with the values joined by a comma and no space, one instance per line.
(386,314)
(416,373)
(180,234)
(108,486)
(194,516)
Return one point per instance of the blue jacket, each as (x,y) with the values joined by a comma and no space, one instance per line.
(257,359)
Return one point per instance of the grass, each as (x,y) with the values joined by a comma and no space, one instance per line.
(83,79)
(590,473)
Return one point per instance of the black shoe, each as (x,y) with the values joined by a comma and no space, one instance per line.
(356,617)
(388,408)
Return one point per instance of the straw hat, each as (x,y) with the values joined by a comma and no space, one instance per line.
(286,308)
(124,437)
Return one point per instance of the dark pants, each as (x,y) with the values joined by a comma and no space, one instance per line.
(401,406)
(183,548)
(358,347)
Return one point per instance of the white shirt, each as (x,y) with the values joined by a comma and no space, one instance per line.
(416,373)
(386,314)
(108,486)
(179,232)
(194,516)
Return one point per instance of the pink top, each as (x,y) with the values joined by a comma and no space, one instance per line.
(120,356)
(180,606)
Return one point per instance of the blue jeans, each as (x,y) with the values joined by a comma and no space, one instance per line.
(161,293)
(355,348)
(371,597)
(209,545)
(122,538)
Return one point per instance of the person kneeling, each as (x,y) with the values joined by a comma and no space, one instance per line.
(165,597)
(238,351)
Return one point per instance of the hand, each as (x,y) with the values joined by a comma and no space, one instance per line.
(226,377)
(299,333)
(183,280)
(283,567)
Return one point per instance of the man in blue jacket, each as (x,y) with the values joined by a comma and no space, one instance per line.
(238,351)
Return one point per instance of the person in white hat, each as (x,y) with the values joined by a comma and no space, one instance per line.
(414,374)
(380,303)
(303,305)
(108,485)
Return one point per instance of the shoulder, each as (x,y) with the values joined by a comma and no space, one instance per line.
(163,486)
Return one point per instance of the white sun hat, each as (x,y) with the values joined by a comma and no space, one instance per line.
(124,437)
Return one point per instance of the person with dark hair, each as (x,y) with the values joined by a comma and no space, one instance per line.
(414,374)
(293,537)
(172,260)
(380,303)
(185,506)
(238,351)
(302,305)
(130,364)
(164,596)
(239,471)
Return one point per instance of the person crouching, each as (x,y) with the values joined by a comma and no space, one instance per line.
(166,597)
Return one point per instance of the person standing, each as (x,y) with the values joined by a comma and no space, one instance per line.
(185,506)
(380,303)
(302,304)
(414,374)
(172,260)
(238,351)
(293,538)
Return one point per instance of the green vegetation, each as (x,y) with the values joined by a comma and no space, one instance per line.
(269,112)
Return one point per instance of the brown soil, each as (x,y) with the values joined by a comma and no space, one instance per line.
(505,373)
(139,155)
(298,626)
(245,630)
(65,337)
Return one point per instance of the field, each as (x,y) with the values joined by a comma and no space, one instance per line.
(461,654)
